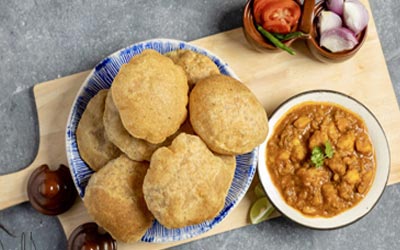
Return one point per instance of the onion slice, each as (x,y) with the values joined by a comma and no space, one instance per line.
(328,20)
(338,39)
(335,6)
(355,15)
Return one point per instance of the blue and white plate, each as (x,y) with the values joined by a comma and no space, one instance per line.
(102,77)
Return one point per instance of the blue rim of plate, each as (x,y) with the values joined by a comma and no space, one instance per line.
(101,77)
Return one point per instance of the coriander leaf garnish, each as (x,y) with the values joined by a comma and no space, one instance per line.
(318,155)
(328,149)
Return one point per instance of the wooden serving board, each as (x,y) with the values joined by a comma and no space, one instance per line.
(273,77)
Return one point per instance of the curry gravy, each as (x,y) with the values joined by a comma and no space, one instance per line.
(342,180)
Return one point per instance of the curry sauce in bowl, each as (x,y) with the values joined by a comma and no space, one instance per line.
(321,158)
(326,160)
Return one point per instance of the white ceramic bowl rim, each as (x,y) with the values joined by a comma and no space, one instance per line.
(382,154)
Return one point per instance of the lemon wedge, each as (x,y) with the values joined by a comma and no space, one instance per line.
(260,210)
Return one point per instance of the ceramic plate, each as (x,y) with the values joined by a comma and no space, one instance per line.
(102,77)
(382,155)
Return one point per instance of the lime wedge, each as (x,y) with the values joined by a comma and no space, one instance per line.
(260,210)
(259,191)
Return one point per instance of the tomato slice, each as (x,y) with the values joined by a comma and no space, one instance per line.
(278,16)
(258,6)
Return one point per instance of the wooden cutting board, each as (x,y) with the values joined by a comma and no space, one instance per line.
(273,77)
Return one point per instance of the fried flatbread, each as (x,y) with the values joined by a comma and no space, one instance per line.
(186,183)
(114,199)
(151,94)
(227,115)
(134,148)
(196,66)
(94,147)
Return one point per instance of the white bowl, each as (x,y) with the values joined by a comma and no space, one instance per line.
(382,155)
(102,77)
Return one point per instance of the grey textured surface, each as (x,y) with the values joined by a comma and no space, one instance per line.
(43,40)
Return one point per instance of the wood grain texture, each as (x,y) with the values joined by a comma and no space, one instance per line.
(53,102)
(272,77)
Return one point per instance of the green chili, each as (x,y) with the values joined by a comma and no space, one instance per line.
(284,37)
(275,40)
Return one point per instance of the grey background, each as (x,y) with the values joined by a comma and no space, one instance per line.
(41,40)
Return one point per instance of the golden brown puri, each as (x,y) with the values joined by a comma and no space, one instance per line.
(151,94)
(136,149)
(114,199)
(186,183)
(227,115)
(94,147)
(195,65)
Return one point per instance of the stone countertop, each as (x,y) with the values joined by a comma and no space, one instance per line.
(44,40)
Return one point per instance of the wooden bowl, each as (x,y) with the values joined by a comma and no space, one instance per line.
(323,54)
(260,43)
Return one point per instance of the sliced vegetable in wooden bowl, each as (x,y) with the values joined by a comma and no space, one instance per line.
(279,17)
(339,30)
(271,25)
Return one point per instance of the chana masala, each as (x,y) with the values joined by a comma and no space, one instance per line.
(333,135)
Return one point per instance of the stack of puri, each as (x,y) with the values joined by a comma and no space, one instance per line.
(152,159)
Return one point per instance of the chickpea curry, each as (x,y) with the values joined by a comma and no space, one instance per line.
(321,158)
